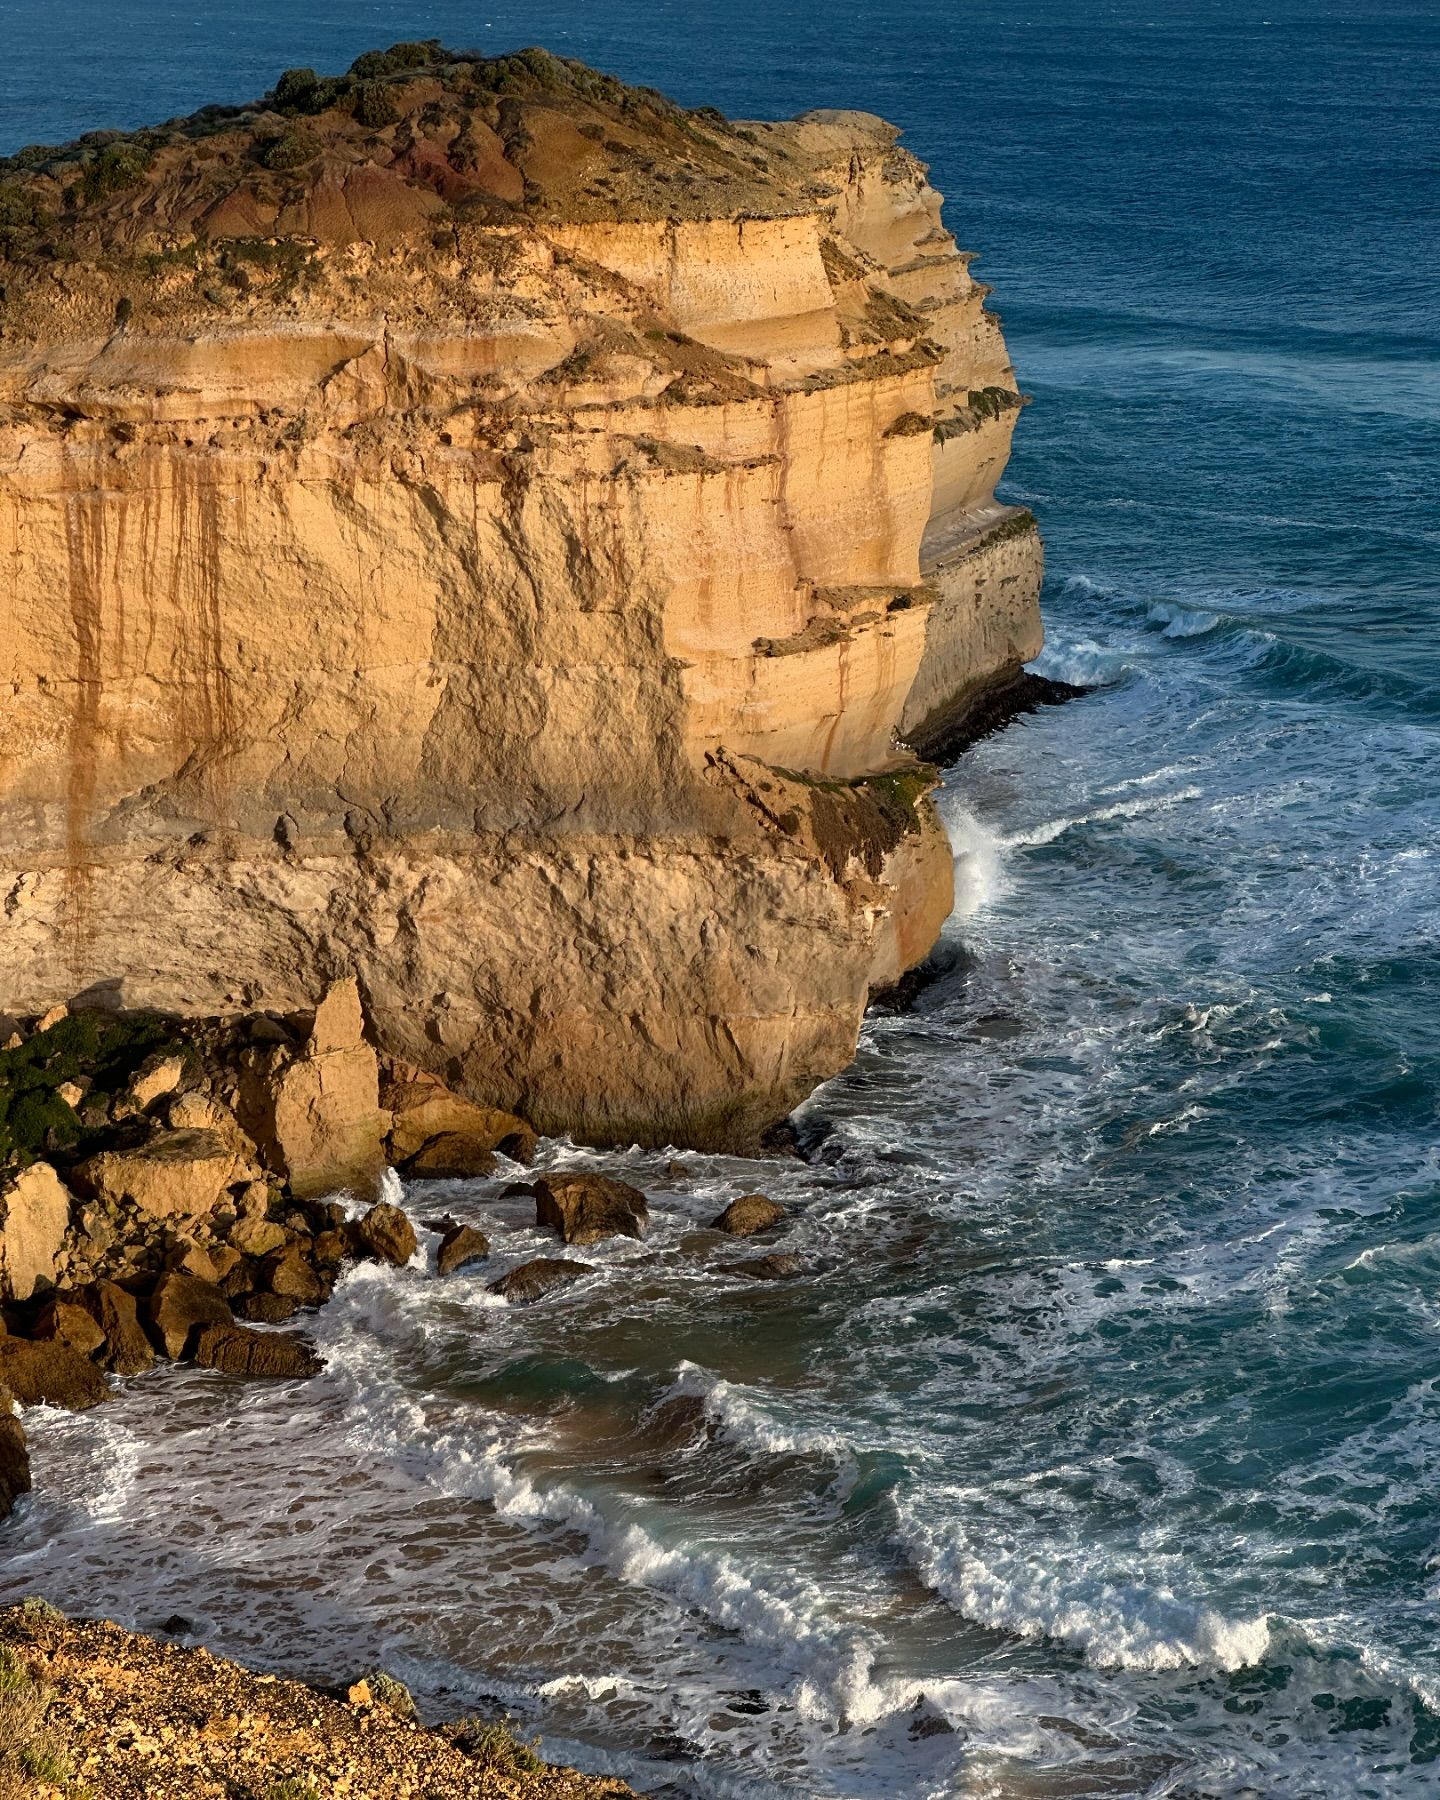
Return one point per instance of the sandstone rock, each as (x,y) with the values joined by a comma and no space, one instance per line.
(71,1092)
(778,1266)
(34,1215)
(177,1309)
(289,1274)
(386,1234)
(331,1249)
(321,1113)
(450,1156)
(237,1350)
(267,1309)
(254,1236)
(425,1115)
(224,1258)
(50,1374)
(127,1350)
(190,1258)
(178,1175)
(51,1016)
(532,1280)
(749,1214)
(158,1075)
(584,1208)
(241,1279)
(67,1322)
(195,1111)
(460,1245)
(14,1455)
(511,695)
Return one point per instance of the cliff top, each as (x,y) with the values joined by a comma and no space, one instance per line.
(410,138)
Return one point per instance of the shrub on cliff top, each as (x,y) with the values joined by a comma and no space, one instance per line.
(373,106)
(493,1745)
(112,170)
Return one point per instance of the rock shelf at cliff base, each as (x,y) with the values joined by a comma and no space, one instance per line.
(477,526)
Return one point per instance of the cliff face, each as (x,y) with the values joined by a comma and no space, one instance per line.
(480,526)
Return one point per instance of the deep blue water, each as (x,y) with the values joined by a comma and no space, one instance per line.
(1100,1452)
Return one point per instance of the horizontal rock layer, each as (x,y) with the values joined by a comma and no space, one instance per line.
(500,553)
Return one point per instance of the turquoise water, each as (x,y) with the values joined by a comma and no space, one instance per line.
(1099,1450)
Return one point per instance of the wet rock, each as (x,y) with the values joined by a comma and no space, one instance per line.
(238,1350)
(748,1215)
(50,1374)
(34,1215)
(386,1234)
(584,1208)
(127,1350)
(65,1321)
(289,1274)
(534,1279)
(266,1309)
(451,1156)
(778,1266)
(330,1249)
(460,1245)
(179,1307)
(14,1455)
(174,1175)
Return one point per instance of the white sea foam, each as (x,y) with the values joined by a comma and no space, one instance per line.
(1063,1593)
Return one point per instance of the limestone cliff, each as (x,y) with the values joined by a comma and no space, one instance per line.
(481,526)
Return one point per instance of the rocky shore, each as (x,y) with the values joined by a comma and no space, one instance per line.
(91,1712)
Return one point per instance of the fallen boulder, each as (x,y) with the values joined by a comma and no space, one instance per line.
(452,1156)
(288,1273)
(423,1112)
(34,1215)
(749,1214)
(267,1309)
(127,1349)
(318,1115)
(460,1245)
(173,1175)
(536,1278)
(238,1350)
(179,1307)
(65,1321)
(386,1234)
(584,1208)
(50,1374)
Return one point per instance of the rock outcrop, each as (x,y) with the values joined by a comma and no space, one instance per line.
(483,527)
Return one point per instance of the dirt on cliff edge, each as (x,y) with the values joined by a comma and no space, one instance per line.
(235,208)
(89,1711)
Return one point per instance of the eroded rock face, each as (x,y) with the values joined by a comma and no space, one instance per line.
(495,552)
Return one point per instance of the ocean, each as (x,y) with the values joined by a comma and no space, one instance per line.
(1098,1450)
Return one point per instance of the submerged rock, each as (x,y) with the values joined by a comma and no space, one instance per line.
(778,1266)
(534,1279)
(750,1214)
(584,1208)
(460,1245)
